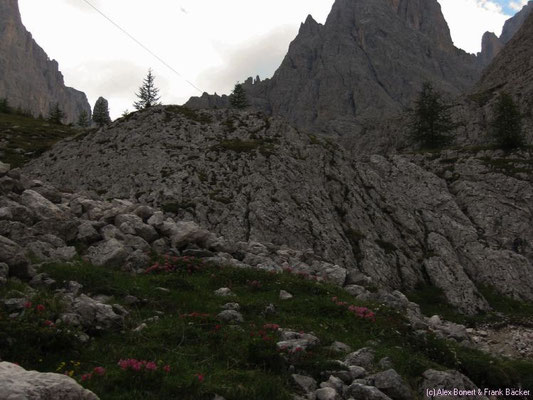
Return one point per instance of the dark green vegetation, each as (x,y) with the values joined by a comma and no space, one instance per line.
(504,309)
(507,123)
(237,98)
(23,138)
(188,113)
(431,123)
(56,114)
(207,356)
(148,93)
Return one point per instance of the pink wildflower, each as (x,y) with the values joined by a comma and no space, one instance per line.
(200,377)
(27,304)
(166,368)
(86,377)
(151,366)
(40,307)
(99,371)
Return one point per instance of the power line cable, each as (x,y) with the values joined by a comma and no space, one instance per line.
(142,45)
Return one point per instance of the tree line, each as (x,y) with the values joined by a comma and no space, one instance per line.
(431,126)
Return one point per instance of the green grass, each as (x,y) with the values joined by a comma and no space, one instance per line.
(237,363)
(433,302)
(188,113)
(32,136)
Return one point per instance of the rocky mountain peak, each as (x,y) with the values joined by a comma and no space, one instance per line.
(512,69)
(367,61)
(491,44)
(513,25)
(28,78)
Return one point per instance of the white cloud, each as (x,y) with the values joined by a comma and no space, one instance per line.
(518,4)
(257,56)
(470,19)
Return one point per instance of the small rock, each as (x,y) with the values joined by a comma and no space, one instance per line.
(385,363)
(231,306)
(304,384)
(230,316)
(340,347)
(224,292)
(363,358)
(334,383)
(284,295)
(140,327)
(360,391)
(357,372)
(434,321)
(326,393)
(42,280)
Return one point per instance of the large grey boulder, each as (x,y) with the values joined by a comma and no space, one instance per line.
(392,384)
(42,207)
(133,224)
(12,254)
(18,384)
(364,392)
(447,380)
(363,357)
(95,315)
(109,252)
(304,384)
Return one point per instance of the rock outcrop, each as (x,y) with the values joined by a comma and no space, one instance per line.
(17,383)
(455,220)
(28,78)
(491,44)
(368,61)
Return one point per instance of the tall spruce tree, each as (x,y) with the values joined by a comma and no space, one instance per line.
(237,98)
(101,112)
(56,114)
(507,123)
(148,94)
(431,124)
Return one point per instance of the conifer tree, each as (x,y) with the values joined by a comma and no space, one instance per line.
(148,94)
(431,124)
(101,112)
(237,98)
(4,106)
(83,119)
(507,123)
(56,114)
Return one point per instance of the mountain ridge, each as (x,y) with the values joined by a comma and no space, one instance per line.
(368,60)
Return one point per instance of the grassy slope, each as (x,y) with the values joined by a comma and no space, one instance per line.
(235,363)
(33,136)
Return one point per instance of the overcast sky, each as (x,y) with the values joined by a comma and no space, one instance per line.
(211,43)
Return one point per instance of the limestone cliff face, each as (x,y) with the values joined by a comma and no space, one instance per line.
(367,61)
(491,44)
(28,78)
(455,220)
